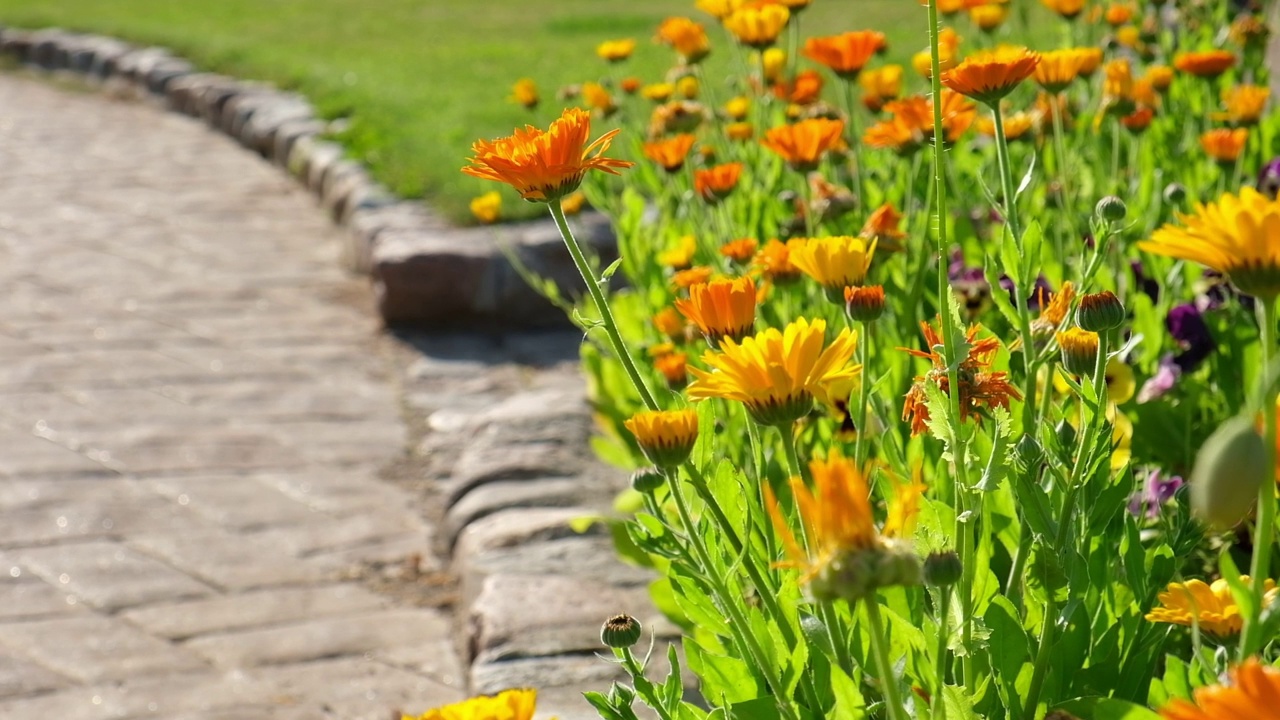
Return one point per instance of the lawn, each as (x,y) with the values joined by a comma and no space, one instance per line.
(421,79)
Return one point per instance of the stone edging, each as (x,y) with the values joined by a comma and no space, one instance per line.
(424,271)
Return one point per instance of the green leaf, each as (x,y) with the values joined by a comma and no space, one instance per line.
(761,708)
(583,523)
(997,464)
(959,704)
(1096,708)
(1011,650)
(1177,678)
(673,687)
(624,543)
(664,598)
(849,704)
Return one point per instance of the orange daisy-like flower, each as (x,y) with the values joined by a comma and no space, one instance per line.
(721,308)
(715,183)
(740,251)
(685,279)
(1069,9)
(1059,68)
(804,143)
(845,54)
(883,226)
(911,123)
(525,92)
(665,436)
(774,263)
(880,85)
(686,37)
(1160,77)
(1053,311)
(671,152)
(671,323)
(674,368)
(545,166)
(1245,104)
(1224,145)
(1212,606)
(1205,63)
(804,89)
(989,76)
(777,374)
(1254,692)
(1118,14)
(508,705)
(1138,120)
(757,25)
(980,388)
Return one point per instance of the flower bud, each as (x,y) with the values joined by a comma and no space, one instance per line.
(666,436)
(620,632)
(1099,312)
(1175,194)
(942,569)
(864,304)
(621,696)
(1065,435)
(1079,350)
(647,479)
(1229,469)
(1027,455)
(1111,209)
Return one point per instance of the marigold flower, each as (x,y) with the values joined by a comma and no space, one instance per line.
(1160,77)
(989,76)
(864,304)
(1119,380)
(686,37)
(740,251)
(665,436)
(1235,236)
(1053,311)
(834,262)
(630,85)
(739,131)
(882,226)
(845,54)
(598,98)
(896,135)
(777,374)
(948,46)
(1118,14)
(658,92)
(1069,9)
(1253,693)
(1138,120)
(1079,350)
(880,85)
(685,279)
(716,183)
(506,705)
(911,123)
(1248,30)
(721,308)
(774,263)
(1244,103)
(671,323)
(680,255)
(673,367)
(847,557)
(757,26)
(804,143)
(772,63)
(719,9)
(1212,607)
(990,17)
(615,50)
(1205,63)
(545,166)
(1017,126)
(737,108)
(525,92)
(980,389)
(572,203)
(1224,145)
(804,89)
(487,208)
(1059,68)
(688,87)
(671,152)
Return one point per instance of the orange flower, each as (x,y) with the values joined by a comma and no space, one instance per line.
(687,38)
(1053,311)
(671,152)
(721,308)
(845,54)
(1245,104)
(545,166)
(774,262)
(880,85)
(739,251)
(757,25)
(715,183)
(948,46)
(686,279)
(1160,77)
(1211,606)
(1224,145)
(989,76)
(1118,14)
(740,131)
(1058,68)
(630,85)
(980,388)
(674,367)
(912,122)
(525,92)
(1138,120)
(1205,63)
(1068,9)
(804,89)
(615,50)
(882,226)
(670,323)
(1017,126)
(1254,692)
(804,143)
(598,98)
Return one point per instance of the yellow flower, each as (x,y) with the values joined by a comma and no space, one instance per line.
(685,279)
(1235,236)
(688,88)
(772,62)
(1079,350)
(880,85)
(777,374)
(487,208)
(573,202)
(737,108)
(719,9)
(1017,126)
(1212,607)
(598,98)
(774,262)
(525,92)
(757,26)
(1160,77)
(687,38)
(506,705)
(1244,103)
(989,76)
(1120,381)
(545,166)
(721,308)
(989,17)
(1059,68)
(804,143)
(1254,692)
(666,436)
(615,50)
(834,262)
(658,92)
(679,256)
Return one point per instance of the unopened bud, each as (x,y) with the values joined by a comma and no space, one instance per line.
(1099,312)
(1175,193)
(620,632)
(864,304)
(1111,209)
(1229,469)
(647,479)
(1027,455)
(942,569)
(1079,350)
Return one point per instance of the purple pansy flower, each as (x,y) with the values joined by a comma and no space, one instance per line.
(1157,490)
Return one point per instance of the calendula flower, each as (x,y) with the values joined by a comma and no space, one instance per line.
(1224,145)
(948,47)
(1160,77)
(989,76)
(665,436)
(688,87)
(1235,236)
(487,208)
(980,388)
(1118,14)
(774,263)
(1254,692)
(1119,381)
(845,54)
(525,92)
(883,226)
(739,131)
(673,367)
(834,262)
(1249,30)
(630,85)
(1059,68)
(1017,126)
(1244,103)
(911,122)
(757,26)
(1053,311)
(1069,9)
(804,89)
(598,98)
(1205,63)
(680,255)
(989,17)
(804,143)
(572,203)
(740,251)
(545,166)
(737,108)
(715,183)
(616,50)
(864,304)
(1092,60)
(719,9)
(777,374)
(671,323)
(658,92)
(1212,607)
(686,37)
(1138,120)
(847,557)
(506,705)
(1079,350)
(880,85)
(721,308)
(680,116)
(670,152)
(772,63)
(685,279)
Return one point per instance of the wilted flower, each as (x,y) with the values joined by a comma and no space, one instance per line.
(980,388)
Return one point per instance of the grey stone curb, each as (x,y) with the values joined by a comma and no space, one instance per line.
(425,272)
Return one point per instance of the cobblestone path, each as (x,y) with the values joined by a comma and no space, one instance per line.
(194,412)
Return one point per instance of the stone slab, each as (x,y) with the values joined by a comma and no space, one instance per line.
(106,575)
(260,608)
(91,648)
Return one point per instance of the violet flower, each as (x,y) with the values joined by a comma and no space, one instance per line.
(1187,326)
(1269,178)
(1156,490)
(1167,374)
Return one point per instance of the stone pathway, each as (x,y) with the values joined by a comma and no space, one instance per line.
(212,461)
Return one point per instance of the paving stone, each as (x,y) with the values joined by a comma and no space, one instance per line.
(233,501)
(91,648)
(584,672)
(182,620)
(355,689)
(18,677)
(228,560)
(170,695)
(588,558)
(105,575)
(538,492)
(27,598)
(340,533)
(26,454)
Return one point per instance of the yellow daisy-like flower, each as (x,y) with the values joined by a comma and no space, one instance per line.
(487,208)
(616,50)
(666,436)
(1212,607)
(757,26)
(777,374)
(506,705)
(721,308)
(545,166)
(1245,104)
(525,92)
(834,262)
(989,76)
(1235,236)
(1254,692)
(1059,68)
(804,143)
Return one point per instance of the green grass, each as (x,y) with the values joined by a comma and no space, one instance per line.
(421,79)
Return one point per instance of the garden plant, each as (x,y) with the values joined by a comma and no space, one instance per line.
(951,385)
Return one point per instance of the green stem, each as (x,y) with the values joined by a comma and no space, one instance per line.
(1041,669)
(941,656)
(644,688)
(1264,530)
(855,145)
(862,446)
(884,668)
(602,305)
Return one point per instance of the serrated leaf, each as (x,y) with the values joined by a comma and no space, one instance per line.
(998,463)
(1098,708)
